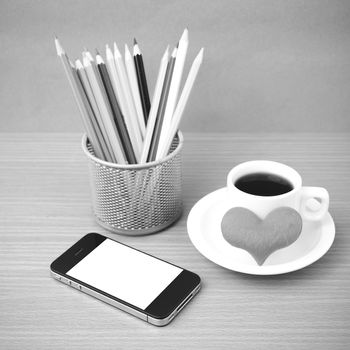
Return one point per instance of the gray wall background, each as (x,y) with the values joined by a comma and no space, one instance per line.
(269,65)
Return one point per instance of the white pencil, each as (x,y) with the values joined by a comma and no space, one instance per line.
(118,89)
(154,106)
(135,135)
(80,98)
(87,53)
(174,89)
(181,104)
(106,113)
(130,68)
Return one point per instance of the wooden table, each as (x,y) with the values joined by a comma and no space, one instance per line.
(45,207)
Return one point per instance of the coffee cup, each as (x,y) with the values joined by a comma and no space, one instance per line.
(263,186)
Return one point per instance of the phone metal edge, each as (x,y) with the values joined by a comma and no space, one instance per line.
(164,321)
(154,321)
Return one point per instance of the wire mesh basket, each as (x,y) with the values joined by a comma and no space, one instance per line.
(136,199)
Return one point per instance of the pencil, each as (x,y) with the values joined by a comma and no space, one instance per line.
(87,55)
(106,113)
(155,103)
(117,115)
(142,81)
(162,104)
(117,87)
(130,68)
(80,98)
(182,104)
(174,88)
(120,94)
(97,121)
(131,121)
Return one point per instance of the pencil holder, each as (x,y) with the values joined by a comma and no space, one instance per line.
(136,199)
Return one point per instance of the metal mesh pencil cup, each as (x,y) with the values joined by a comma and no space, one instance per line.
(136,199)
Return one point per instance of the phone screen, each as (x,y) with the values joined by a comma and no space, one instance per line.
(125,273)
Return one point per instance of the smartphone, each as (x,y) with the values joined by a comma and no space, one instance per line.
(138,283)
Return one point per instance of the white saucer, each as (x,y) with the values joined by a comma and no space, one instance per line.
(204,229)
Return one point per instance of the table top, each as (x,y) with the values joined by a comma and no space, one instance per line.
(45,207)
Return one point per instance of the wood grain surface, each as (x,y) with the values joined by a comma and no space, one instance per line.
(45,207)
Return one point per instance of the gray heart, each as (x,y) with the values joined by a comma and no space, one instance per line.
(244,229)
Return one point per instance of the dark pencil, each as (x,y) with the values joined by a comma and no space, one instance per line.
(117,114)
(142,81)
(161,109)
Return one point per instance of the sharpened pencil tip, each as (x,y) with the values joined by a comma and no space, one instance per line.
(109,54)
(135,42)
(59,48)
(136,49)
(184,36)
(127,51)
(78,64)
(199,57)
(116,50)
(173,54)
(86,61)
(99,59)
(97,52)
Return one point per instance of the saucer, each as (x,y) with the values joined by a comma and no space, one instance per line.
(204,230)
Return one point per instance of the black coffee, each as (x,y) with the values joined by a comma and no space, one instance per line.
(263,184)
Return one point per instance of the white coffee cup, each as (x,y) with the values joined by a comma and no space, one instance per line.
(311,202)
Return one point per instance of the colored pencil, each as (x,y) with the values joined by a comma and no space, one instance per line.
(131,121)
(80,98)
(174,88)
(117,114)
(142,81)
(113,99)
(155,103)
(102,135)
(181,104)
(161,109)
(106,112)
(87,55)
(120,94)
(130,68)
(117,87)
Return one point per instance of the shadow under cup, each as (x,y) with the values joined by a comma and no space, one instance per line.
(136,199)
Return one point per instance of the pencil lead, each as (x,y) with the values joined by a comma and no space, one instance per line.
(135,42)
(177,45)
(97,52)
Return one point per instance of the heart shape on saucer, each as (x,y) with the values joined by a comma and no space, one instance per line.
(244,229)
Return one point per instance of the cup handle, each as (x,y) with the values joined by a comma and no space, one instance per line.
(314,203)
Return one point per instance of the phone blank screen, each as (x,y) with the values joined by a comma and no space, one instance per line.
(125,273)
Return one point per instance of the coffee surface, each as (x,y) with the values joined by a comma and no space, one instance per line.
(263,184)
